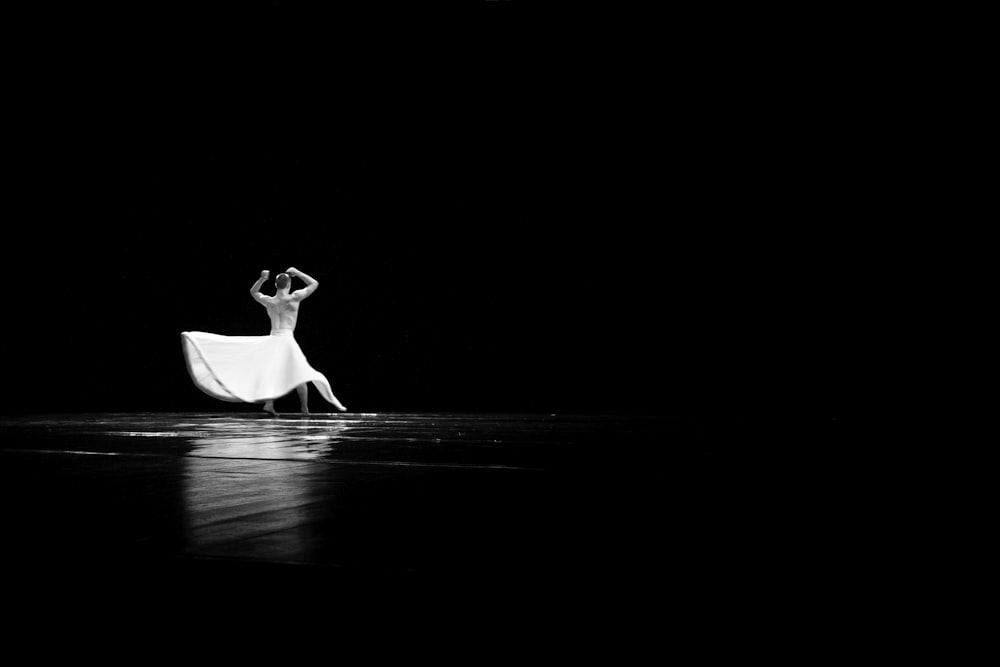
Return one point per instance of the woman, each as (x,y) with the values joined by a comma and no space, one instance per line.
(252,369)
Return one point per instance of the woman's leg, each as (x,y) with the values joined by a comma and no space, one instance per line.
(303,390)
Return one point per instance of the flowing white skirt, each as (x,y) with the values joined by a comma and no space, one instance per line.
(251,369)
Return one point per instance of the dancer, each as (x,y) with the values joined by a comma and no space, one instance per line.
(253,369)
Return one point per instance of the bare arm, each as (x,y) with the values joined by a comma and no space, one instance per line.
(255,290)
(311,283)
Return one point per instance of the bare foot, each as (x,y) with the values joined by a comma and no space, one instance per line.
(269,409)
(305,411)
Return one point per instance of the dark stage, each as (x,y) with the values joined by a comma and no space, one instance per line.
(427,499)
(448,532)
(420,495)
(595,321)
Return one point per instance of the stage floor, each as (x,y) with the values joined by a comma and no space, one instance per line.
(440,493)
(404,507)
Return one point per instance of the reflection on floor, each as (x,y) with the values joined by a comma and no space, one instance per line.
(401,491)
(640,503)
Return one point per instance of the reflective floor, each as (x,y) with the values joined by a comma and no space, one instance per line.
(379,492)
(548,513)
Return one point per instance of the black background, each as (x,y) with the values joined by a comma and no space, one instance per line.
(507,211)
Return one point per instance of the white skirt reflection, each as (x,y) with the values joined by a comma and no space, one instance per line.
(250,369)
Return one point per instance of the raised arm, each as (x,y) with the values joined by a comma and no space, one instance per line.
(311,283)
(255,290)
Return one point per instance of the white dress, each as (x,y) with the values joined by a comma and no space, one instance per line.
(250,369)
